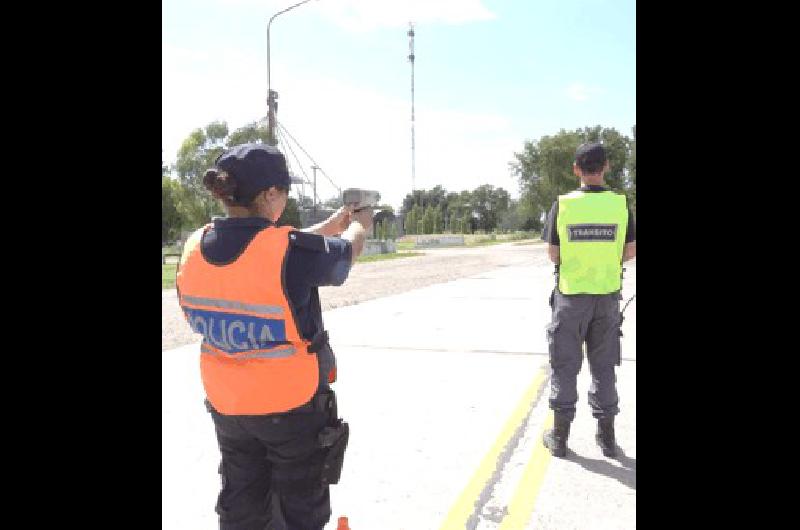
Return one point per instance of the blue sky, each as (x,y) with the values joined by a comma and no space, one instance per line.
(489,74)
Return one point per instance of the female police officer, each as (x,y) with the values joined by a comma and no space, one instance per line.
(250,288)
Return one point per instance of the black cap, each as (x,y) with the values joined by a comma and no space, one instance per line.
(591,156)
(254,167)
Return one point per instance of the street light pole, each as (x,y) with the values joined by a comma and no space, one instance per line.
(272,96)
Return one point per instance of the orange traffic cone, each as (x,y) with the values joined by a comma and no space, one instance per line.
(343,525)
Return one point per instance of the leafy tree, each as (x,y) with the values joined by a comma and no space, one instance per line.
(248,134)
(510,219)
(416,216)
(489,204)
(290,215)
(171,218)
(383,220)
(419,214)
(428,220)
(197,153)
(383,229)
(544,167)
(466,224)
(447,208)
(433,197)
(410,222)
(631,167)
(438,219)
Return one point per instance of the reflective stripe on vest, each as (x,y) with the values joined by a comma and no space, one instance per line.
(253,359)
(591,229)
(232,304)
(275,353)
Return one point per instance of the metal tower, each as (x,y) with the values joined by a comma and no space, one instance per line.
(411,59)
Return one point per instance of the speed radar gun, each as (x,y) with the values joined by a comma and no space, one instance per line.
(360,199)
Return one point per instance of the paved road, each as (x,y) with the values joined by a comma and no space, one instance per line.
(368,281)
(445,390)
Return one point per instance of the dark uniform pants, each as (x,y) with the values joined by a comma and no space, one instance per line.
(594,320)
(270,469)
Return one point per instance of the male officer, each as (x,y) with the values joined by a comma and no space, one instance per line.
(590,232)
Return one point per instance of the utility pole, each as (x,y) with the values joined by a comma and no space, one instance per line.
(315,168)
(272,96)
(411,59)
(272,106)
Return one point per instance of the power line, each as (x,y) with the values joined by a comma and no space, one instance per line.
(285,131)
(288,147)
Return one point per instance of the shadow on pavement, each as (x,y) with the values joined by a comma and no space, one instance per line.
(625,473)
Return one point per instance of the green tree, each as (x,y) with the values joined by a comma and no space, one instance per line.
(290,215)
(433,197)
(197,153)
(466,224)
(529,213)
(486,202)
(458,205)
(383,230)
(248,134)
(418,212)
(511,219)
(489,203)
(415,197)
(544,167)
(438,218)
(631,167)
(384,218)
(428,220)
(410,222)
(171,218)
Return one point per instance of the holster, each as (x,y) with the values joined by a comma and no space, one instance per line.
(324,466)
(332,440)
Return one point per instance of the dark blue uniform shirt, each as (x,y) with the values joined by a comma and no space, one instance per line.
(313,261)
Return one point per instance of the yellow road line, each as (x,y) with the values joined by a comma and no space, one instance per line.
(521,506)
(465,504)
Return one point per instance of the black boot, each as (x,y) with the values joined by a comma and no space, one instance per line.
(555,439)
(605,436)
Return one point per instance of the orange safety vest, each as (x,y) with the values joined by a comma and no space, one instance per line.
(253,359)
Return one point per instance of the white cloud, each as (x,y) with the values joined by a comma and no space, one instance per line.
(580,92)
(174,56)
(198,88)
(363,139)
(367,15)
(360,138)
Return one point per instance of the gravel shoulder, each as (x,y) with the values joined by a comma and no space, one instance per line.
(382,278)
